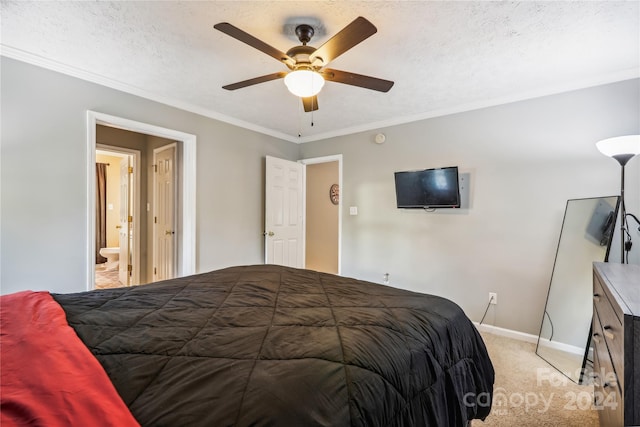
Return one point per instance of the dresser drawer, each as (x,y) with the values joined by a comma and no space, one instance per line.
(610,327)
(604,373)
(602,301)
(607,400)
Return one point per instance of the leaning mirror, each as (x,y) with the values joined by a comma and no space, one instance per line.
(585,237)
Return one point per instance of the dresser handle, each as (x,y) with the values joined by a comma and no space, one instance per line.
(608,333)
(596,338)
(596,297)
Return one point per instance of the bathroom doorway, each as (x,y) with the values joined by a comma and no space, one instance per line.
(100,124)
(118,217)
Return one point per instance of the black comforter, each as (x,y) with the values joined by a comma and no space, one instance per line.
(275,346)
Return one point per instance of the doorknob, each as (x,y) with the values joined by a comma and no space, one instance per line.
(118,226)
(270,233)
(169,232)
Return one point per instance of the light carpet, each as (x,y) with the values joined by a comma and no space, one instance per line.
(530,392)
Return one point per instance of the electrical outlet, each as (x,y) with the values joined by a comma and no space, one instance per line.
(493,297)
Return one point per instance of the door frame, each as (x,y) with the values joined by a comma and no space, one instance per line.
(135,159)
(187,254)
(316,160)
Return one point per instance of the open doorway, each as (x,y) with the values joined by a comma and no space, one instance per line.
(323,219)
(185,224)
(309,237)
(118,217)
(137,216)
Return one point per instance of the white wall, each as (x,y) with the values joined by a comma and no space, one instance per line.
(525,160)
(43,178)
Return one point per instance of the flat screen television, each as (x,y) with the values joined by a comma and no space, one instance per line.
(428,188)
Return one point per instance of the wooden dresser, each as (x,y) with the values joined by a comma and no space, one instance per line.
(616,342)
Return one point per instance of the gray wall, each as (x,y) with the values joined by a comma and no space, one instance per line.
(43,178)
(525,160)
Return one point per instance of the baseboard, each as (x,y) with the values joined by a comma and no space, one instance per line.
(562,347)
(521,336)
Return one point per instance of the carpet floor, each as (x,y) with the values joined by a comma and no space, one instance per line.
(530,392)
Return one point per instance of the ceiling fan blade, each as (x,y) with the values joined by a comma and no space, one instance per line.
(310,103)
(247,38)
(255,81)
(354,33)
(354,79)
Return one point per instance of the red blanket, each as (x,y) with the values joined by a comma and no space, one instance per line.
(48,377)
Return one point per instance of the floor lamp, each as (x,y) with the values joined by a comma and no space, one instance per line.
(623,149)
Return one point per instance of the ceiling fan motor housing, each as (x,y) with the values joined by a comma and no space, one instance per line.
(300,55)
(304,33)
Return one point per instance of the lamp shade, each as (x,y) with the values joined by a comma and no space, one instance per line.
(628,144)
(621,148)
(304,83)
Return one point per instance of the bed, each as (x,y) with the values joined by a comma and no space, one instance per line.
(258,345)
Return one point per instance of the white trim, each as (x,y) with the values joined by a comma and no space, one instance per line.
(187,263)
(567,348)
(304,214)
(609,78)
(516,335)
(40,61)
(327,159)
(90,249)
(521,336)
(59,67)
(135,154)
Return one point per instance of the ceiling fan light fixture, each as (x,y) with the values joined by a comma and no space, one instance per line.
(304,83)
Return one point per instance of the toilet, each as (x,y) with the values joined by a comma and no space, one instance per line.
(112,255)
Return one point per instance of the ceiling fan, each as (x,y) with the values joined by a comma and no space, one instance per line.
(307,64)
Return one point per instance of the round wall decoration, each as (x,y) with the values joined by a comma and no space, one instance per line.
(334,194)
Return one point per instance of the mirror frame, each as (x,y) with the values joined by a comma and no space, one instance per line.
(606,259)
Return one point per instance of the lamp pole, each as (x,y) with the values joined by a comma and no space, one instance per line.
(622,159)
(622,217)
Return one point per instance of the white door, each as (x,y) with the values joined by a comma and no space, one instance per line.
(284,225)
(126,223)
(164,228)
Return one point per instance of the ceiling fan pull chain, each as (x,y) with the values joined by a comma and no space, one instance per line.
(299,119)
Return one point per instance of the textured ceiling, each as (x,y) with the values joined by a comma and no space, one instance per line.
(443,56)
